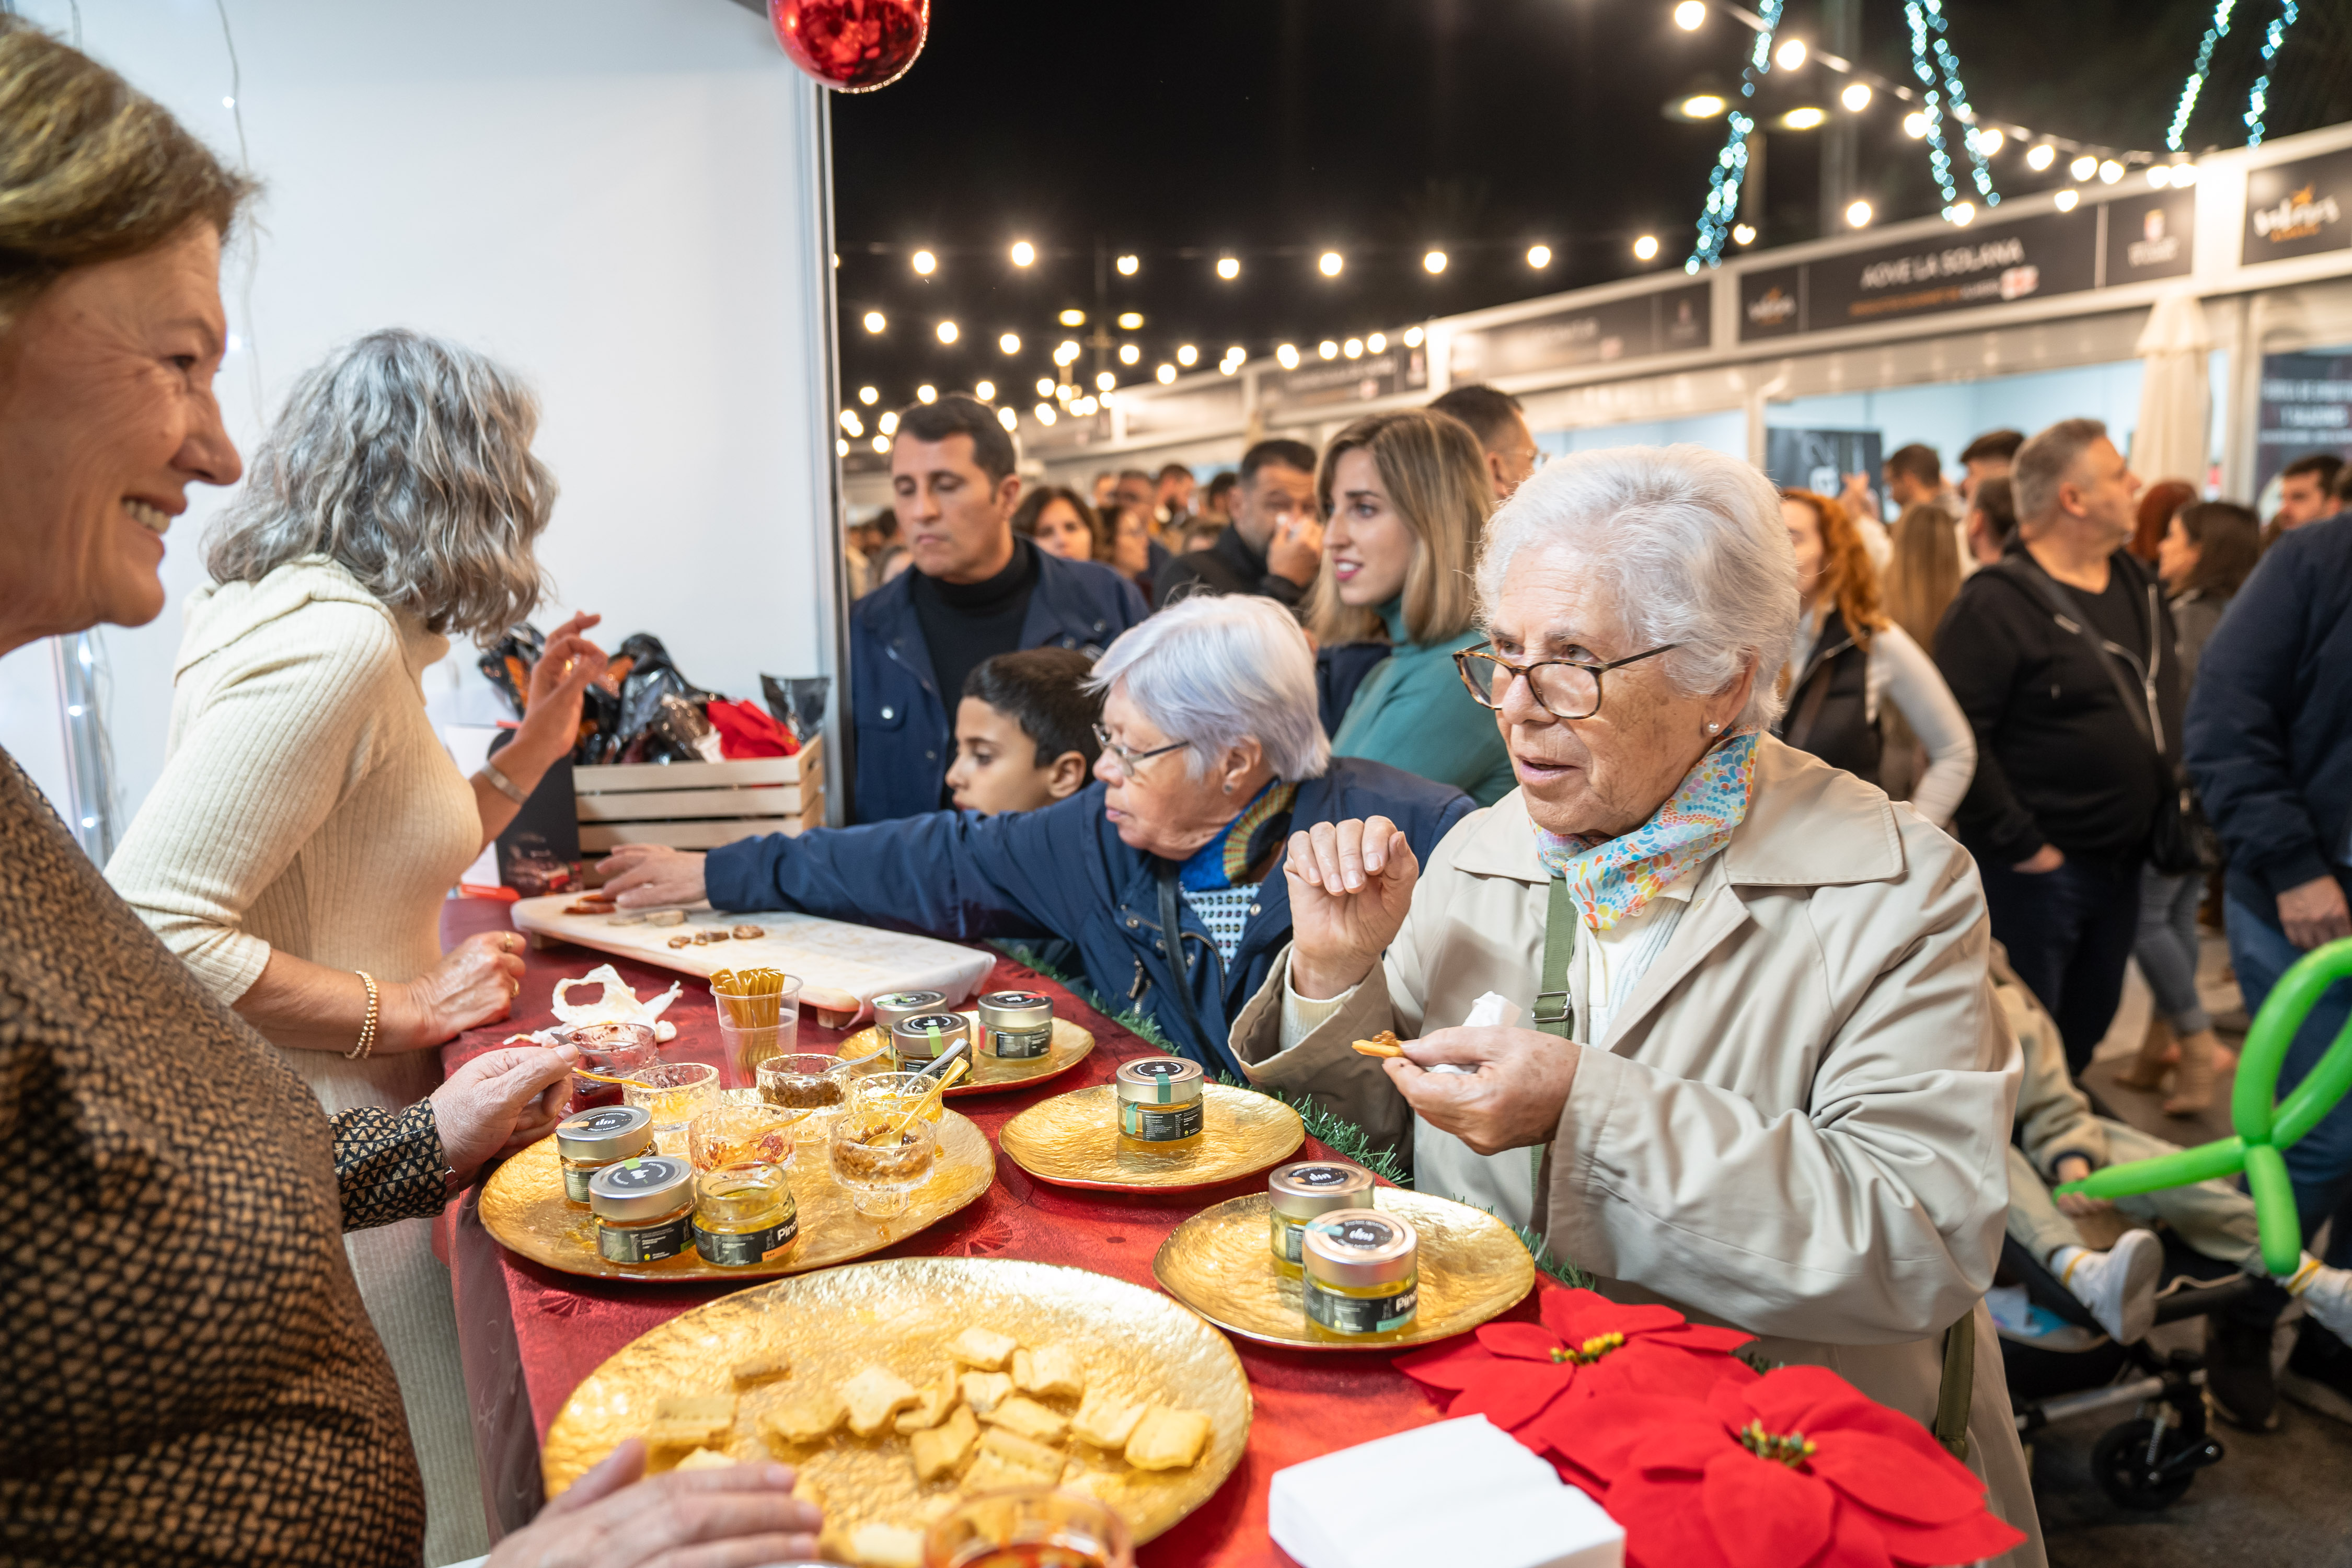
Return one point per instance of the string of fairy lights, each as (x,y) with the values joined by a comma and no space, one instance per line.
(1940,95)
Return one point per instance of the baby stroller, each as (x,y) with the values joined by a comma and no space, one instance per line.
(2075,1369)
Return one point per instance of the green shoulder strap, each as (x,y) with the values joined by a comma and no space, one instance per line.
(1952,1400)
(1554,1008)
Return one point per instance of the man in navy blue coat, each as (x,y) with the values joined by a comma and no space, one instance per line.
(2269,741)
(975,590)
(1212,755)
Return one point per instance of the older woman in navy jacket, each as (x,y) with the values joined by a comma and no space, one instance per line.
(1213,753)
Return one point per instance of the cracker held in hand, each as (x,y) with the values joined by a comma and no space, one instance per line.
(1383,1044)
(1167,1440)
(1048,1370)
(874,1396)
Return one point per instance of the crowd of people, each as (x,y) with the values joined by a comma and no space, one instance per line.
(1737,865)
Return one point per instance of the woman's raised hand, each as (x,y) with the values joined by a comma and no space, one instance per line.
(1350,884)
(476,981)
(559,685)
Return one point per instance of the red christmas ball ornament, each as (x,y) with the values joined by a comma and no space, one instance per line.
(852,46)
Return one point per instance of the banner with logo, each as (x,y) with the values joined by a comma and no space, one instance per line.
(1672,321)
(2297,209)
(1320,384)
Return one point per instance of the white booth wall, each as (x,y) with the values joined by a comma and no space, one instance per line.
(623,200)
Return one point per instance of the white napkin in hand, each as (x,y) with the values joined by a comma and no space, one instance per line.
(1461,1493)
(1491,1011)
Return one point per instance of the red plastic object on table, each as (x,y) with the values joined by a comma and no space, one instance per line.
(852,46)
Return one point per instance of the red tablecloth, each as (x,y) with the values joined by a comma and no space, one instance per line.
(529,1335)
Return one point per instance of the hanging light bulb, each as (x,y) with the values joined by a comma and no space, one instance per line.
(1646,248)
(1006,417)
(1073,318)
(2083,167)
(1130,321)
(1010,343)
(841,448)
(2040,156)
(1128,265)
(1857,215)
(926,393)
(1743,234)
(2110,171)
(2064,200)
(1024,253)
(947,332)
(1045,386)
(1539,257)
(1856,96)
(1377,342)
(1790,55)
(1328,349)
(1287,356)
(1045,413)
(1105,381)
(1353,348)
(1128,353)
(868,396)
(1915,125)
(1228,267)
(881,442)
(889,423)
(875,321)
(1329,264)
(1187,355)
(985,390)
(1412,337)
(1433,263)
(924,263)
(1165,374)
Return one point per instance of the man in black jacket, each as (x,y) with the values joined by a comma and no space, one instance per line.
(2270,745)
(2068,726)
(1275,545)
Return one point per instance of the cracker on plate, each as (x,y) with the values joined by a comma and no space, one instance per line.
(816,1414)
(942,1449)
(1048,1370)
(1167,1439)
(984,1391)
(762,1369)
(705,1459)
(1105,1420)
(1024,1416)
(982,1348)
(932,1404)
(874,1396)
(690,1420)
(887,1546)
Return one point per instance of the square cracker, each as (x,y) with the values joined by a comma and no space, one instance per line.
(1048,1370)
(1030,1419)
(1167,1439)
(887,1546)
(705,1459)
(874,1396)
(982,1348)
(995,1473)
(942,1449)
(813,1415)
(984,1391)
(937,1397)
(1025,1453)
(1106,1420)
(691,1420)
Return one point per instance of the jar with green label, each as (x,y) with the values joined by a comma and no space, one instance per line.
(1016,1024)
(587,1143)
(1160,1100)
(1306,1191)
(743,1215)
(643,1208)
(1363,1271)
(893,1005)
(927,1036)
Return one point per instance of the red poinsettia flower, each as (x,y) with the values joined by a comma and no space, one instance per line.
(1796,1469)
(1586,1346)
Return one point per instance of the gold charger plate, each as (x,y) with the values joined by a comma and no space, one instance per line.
(900,1313)
(523,1207)
(991,1074)
(1073,1140)
(1217,1263)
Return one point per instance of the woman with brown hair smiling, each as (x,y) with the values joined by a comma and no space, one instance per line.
(188,1375)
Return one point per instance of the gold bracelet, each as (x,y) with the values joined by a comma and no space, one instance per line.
(367,1025)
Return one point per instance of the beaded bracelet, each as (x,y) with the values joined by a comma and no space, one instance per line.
(367,1025)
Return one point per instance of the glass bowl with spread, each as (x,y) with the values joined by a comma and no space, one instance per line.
(816,1087)
(880,1160)
(738,1134)
(894,1094)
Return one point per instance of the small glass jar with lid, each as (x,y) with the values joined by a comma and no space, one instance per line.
(643,1208)
(1362,1272)
(1016,1024)
(927,1036)
(743,1215)
(1308,1190)
(587,1143)
(1161,1098)
(893,1005)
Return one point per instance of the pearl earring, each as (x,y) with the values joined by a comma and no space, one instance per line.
(1714,728)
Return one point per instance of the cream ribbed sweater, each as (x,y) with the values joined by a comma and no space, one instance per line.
(306,805)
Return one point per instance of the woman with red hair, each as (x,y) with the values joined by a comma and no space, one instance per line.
(2157,503)
(1851,658)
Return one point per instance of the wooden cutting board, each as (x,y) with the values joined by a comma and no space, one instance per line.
(842,967)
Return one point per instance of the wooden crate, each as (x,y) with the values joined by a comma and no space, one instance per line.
(700,805)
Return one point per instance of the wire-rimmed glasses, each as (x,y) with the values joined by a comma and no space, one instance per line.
(1563,687)
(1127,758)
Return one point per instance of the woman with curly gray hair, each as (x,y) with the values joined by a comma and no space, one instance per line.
(309,823)
(1713,1015)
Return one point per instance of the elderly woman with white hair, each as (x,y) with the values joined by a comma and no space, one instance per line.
(1749,1061)
(1211,753)
(309,823)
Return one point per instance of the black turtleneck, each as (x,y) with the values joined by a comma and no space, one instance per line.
(964,623)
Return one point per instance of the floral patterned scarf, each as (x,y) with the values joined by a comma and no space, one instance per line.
(1615,878)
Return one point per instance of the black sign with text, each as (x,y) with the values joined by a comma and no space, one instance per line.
(2148,236)
(2049,253)
(2297,209)
(1772,303)
(1672,321)
(2307,407)
(1320,384)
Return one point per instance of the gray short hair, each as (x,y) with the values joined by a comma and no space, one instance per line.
(1690,546)
(408,460)
(2043,464)
(1213,669)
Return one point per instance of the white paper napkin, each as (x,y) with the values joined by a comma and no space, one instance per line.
(1461,1493)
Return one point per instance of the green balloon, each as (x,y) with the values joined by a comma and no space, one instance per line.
(2265,1124)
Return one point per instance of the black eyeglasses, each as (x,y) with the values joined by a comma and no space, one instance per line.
(1563,687)
(1127,759)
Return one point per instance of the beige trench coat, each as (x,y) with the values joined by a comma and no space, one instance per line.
(1798,1122)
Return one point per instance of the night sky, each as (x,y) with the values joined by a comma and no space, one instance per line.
(1273,130)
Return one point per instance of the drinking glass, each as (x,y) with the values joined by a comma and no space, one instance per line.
(1029,1529)
(880,1160)
(894,1094)
(815,1084)
(759,1017)
(618,1050)
(673,1094)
